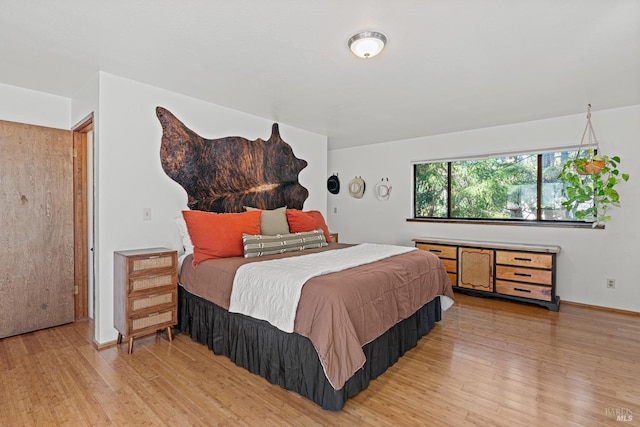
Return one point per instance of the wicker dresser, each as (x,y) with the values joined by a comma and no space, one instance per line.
(145,291)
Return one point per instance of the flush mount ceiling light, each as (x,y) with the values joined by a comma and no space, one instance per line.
(367,44)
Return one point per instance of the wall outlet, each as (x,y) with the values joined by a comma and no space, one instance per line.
(146,214)
(611,283)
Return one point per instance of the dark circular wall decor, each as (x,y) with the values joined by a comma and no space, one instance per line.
(333,184)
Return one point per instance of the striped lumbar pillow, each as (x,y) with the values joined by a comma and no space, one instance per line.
(260,245)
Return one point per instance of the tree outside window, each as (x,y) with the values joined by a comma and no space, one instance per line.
(515,187)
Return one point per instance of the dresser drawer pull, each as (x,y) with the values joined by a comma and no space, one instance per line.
(435,250)
(522,274)
(523,259)
(154,256)
(522,290)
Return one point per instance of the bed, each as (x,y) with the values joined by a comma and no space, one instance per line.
(291,360)
(346,325)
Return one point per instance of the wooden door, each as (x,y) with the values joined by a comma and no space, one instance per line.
(36,228)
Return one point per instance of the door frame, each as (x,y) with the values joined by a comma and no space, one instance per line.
(81,222)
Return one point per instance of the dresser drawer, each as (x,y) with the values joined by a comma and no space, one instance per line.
(440,250)
(155,320)
(453,278)
(521,274)
(524,259)
(152,262)
(449,265)
(145,283)
(543,293)
(154,300)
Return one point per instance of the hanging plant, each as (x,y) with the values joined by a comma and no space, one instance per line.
(590,181)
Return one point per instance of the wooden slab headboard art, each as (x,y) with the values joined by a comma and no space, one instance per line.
(226,174)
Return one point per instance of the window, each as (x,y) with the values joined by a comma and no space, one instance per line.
(517,187)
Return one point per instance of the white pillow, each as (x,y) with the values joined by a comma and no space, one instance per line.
(184,234)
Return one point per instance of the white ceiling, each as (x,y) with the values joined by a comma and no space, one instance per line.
(449,65)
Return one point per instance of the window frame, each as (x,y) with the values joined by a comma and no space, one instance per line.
(539,221)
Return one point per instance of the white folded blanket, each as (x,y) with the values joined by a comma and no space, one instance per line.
(270,290)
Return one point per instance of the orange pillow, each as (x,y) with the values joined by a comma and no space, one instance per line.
(300,221)
(217,235)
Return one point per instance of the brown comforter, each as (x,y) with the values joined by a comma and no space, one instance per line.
(339,312)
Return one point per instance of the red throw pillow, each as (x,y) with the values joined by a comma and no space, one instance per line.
(300,221)
(217,235)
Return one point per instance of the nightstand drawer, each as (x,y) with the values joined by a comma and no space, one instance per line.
(155,261)
(440,250)
(154,300)
(524,290)
(151,282)
(158,320)
(521,274)
(524,259)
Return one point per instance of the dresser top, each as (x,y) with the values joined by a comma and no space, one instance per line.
(494,245)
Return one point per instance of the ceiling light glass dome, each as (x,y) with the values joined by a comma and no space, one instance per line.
(367,44)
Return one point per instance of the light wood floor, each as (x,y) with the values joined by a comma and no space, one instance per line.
(487,363)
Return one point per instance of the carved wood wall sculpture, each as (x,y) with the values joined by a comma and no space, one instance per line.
(225,174)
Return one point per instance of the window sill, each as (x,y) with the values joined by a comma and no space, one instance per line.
(525,223)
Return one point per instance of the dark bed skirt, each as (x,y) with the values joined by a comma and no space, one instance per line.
(290,360)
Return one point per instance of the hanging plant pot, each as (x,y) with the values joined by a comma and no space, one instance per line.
(589,181)
(591,167)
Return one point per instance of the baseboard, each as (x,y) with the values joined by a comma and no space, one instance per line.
(107,344)
(600,308)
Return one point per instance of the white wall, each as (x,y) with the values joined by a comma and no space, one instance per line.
(130,176)
(86,101)
(34,108)
(588,256)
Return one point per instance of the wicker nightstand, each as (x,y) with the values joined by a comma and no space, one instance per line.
(145,282)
